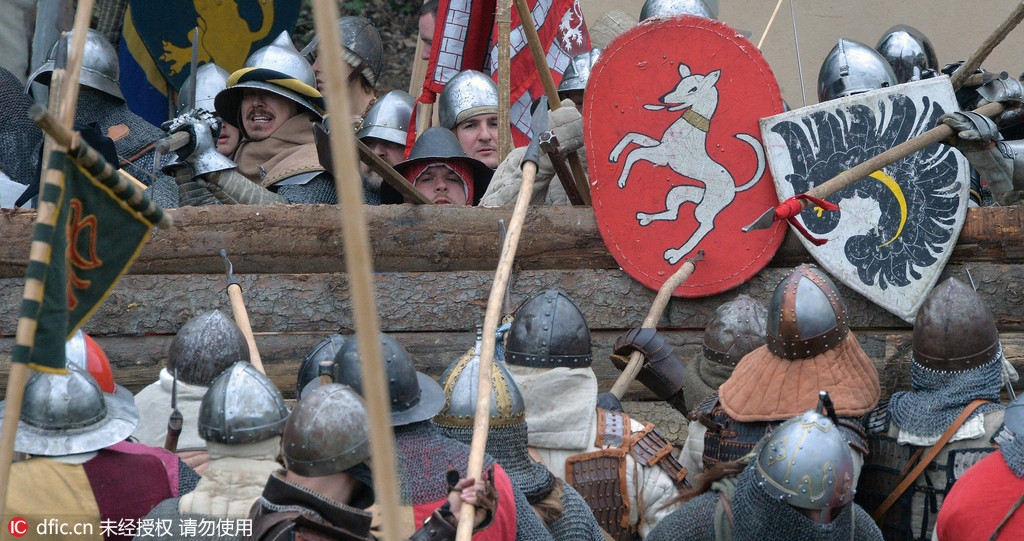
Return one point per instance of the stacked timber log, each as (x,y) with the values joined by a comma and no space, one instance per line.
(434,269)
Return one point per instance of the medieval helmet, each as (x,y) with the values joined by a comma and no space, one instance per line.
(908,51)
(327,433)
(362,46)
(309,370)
(737,328)
(549,331)
(806,463)
(468,94)
(578,72)
(69,414)
(806,316)
(1013,418)
(851,68)
(438,144)
(206,346)
(667,8)
(268,64)
(461,383)
(388,119)
(83,351)
(100,68)
(415,396)
(241,406)
(210,80)
(954,330)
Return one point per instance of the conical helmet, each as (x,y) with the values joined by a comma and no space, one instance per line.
(211,79)
(241,406)
(954,330)
(100,67)
(388,119)
(806,316)
(362,44)
(309,370)
(578,72)
(806,463)
(667,8)
(461,384)
(737,328)
(908,51)
(851,68)
(468,94)
(69,414)
(206,346)
(327,433)
(549,331)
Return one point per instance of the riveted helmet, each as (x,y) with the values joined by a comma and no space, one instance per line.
(415,396)
(100,68)
(954,330)
(241,406)
(461,382)
(468,94)
(69,414)
(362,46)
(737,328)
(667,8)
(210,80)
(549,331)
(206,346)
(318,359)
(908,51)
(438,145)
(806,316)
(388,119)
(806,463)
(851,68)
(327,433)
(280,62)
(578,72)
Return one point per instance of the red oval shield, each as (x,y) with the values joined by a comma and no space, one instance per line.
(674,152)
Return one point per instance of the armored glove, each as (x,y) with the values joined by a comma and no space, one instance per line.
(200,154)
(662,371)
(567,123)
(974,132)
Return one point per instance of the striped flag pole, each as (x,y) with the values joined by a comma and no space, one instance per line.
(64,97)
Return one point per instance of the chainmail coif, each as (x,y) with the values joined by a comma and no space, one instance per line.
(1013,455)
(939,397)
(21,141)
(693,521)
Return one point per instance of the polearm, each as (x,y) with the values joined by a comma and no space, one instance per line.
(540,60)
(64,98)
(359,266)
(175,421)
(241,314)
(998,35)
(800,202)
(651,321)
(504,20)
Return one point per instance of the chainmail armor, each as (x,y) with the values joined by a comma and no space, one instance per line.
(939,397)
(187,478)
(319,190)
(1013,455)
(694,521)
(577,522)
(21,141)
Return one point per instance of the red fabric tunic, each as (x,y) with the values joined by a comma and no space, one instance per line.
(978,502)
(504,526)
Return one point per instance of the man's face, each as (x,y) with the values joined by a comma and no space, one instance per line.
(427,33)
(441,185)
(576,96)
(478,136)
(388,151)
(264,112)
(227,142)
(318,70)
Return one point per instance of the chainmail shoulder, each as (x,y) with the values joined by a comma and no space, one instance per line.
(938,397)
(529,527)
(21,141)
(1013,455)
(187,478)
(694,521)
(318,190)
(167,510)
(424,456)
(577,522)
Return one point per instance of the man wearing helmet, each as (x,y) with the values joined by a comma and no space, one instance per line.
(441,171)
(363,52)
(383,131)
(468,106)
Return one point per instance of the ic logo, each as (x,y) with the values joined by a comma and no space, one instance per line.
(17,526)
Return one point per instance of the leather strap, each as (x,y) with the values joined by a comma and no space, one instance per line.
(933,451)
(1006,519)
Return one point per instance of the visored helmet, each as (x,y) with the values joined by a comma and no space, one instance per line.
(578,72)
(851,68)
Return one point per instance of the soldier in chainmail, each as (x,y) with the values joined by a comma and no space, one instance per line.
(423,454)
(956,359)
(565,513)
(21,141)
(799,484)
(987,502)
(100,101)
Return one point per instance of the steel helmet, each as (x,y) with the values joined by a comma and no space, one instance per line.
(100,67)
(241,406)
(468,94)
(851,68)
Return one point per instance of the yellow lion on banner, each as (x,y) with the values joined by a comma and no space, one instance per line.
(229,45)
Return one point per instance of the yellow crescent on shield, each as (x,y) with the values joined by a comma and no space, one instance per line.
(898,192)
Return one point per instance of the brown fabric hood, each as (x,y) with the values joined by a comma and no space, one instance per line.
(289,146)
(764,387)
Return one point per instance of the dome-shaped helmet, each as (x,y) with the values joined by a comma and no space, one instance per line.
(908,51)
(954,330)
(241,406)
(461,382)
(549,331)
(100,67)
(327,433)
(806,316)
(667,8)
(737,328)
(578,72)
(211,79)
(468,94)
(851,68)
(388,119)
(206,346)
(318,359)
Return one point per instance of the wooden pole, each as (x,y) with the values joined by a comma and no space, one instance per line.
(540,60)
(495,301)
(388,173)
(651,321)
(64,97)
(360,270)
(771,20)
(242,319)
(504,19)
(979,56)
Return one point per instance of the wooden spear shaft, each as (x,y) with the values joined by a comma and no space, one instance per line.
(495,301)
(360,269)
(979,56)
(504,19)
(767,27)
(651,321)
(537,49)
(63,97)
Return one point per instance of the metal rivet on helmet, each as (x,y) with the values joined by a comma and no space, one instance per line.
(100,67)
(851,68)
(549,337)
(327,433)
(667,8)
(737,328)
(806,316)
(461,383)
(241,406)
(908,51)
(954,330)
(468,94)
